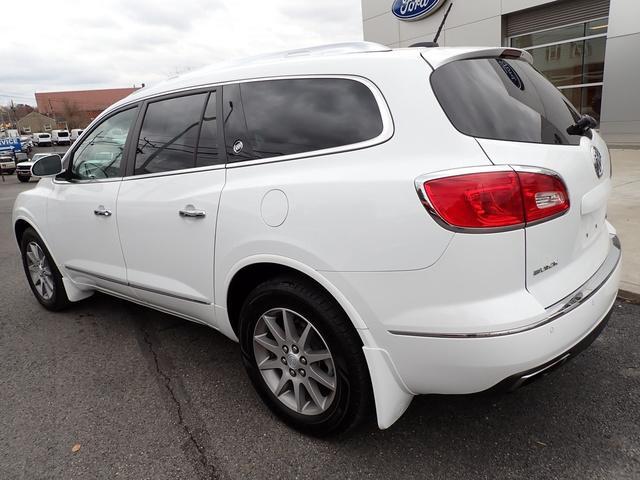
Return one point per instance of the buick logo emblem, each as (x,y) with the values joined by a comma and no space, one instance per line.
(597,161)
(238,146)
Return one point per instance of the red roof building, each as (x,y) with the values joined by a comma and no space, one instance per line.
(78,107)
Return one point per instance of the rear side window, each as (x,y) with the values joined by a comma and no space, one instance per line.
(169,134)
(291,116)
(504,100)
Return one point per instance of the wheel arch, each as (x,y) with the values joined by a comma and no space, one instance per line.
(391,396)
(249,274)
(19,227)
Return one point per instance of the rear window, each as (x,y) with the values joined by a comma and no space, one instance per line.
(504,100)
(63,134)
(292,116)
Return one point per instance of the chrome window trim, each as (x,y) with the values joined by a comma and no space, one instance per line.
(388,126)
(183,171)
(553,312)
(88,181)
(424,198)
(136,285)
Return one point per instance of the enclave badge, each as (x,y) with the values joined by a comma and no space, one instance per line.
(597,161)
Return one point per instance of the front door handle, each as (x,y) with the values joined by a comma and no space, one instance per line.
(102,211)
(191,212)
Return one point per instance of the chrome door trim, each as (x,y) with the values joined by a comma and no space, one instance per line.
(136,285)
(167,294)
(553,312)
(96,275)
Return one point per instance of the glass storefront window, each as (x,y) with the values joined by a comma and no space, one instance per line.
(588,100)
(549,36)
(572,58)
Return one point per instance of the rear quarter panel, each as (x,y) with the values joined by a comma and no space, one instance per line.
(353,211)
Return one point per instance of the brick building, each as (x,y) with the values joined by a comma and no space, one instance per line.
(77,108)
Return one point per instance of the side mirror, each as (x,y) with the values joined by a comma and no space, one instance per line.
(48,166)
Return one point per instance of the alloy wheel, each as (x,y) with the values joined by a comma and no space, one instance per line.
(295,361)
(40,271)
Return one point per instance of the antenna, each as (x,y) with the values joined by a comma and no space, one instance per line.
(444,19)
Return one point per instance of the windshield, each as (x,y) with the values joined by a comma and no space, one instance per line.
(504,100)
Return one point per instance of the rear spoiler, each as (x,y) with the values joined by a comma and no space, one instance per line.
(436,57)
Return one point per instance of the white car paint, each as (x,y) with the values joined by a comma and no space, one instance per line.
(437,311)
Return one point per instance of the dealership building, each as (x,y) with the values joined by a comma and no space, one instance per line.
(589,49)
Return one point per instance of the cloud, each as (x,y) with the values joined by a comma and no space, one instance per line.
(118,43)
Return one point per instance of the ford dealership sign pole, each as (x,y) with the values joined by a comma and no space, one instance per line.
(415,9)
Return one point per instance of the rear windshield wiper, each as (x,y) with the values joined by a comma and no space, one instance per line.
(583,126)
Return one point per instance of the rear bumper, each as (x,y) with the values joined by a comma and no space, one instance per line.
(516,381)
(473,362)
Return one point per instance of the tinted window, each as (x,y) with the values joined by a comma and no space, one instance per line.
(169,134)
(235,131)
(100,153)
(285,117)
(208,145)
(504,100)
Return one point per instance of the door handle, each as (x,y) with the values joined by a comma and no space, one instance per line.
(191,212)
(102,211)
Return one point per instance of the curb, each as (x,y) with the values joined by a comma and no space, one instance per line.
(631,297)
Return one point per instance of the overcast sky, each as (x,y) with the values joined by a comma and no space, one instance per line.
(84,44)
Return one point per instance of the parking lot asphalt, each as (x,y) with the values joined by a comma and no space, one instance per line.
(149,396)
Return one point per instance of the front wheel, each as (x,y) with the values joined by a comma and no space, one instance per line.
(304,357)
(43,276)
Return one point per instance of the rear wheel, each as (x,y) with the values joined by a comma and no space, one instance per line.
(304,357)
(43,276)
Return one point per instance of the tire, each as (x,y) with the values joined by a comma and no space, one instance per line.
(350,401)
(24,178)
(57,296)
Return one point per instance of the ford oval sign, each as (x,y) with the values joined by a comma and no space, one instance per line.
(415,9)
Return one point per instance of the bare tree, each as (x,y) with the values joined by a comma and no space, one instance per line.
(72,114)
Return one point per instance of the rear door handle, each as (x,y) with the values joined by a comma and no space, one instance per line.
(102,211)
(192,212)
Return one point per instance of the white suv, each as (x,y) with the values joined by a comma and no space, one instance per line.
(370,224)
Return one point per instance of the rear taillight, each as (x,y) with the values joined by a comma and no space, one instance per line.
(543,195)
(495,199)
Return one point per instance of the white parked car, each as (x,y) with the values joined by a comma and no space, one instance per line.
(75,133)
(370,224)
(42,139)
(60,137)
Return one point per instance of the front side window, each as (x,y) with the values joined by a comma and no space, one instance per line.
(291,116)
(100,153)
(169,134)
